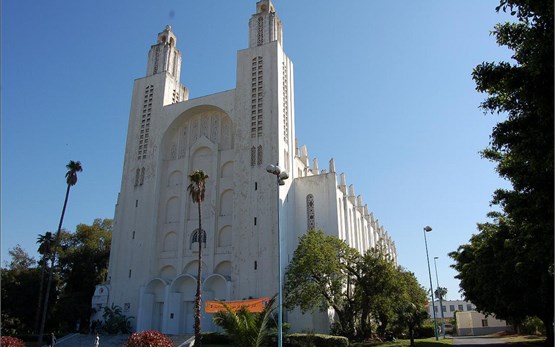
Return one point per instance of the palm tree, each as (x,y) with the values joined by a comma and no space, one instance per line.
(71,179)
(412,316)
(196,190)
(45,246)
(440,292)
(245,328)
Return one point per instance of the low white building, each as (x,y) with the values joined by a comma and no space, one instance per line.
(232,136)
(449,308)
(475,323)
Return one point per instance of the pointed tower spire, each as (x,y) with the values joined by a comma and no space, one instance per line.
(164,55)
(264,26)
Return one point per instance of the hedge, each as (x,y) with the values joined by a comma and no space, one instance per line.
(320,340)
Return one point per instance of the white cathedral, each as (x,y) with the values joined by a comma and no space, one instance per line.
(232,136)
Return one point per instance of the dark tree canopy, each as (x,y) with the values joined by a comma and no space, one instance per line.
(507,269)
(82,263)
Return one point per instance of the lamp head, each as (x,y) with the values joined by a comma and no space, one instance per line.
(273,169)
(283,175)
(436,258)
(427,228)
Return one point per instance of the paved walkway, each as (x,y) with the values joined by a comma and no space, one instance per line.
(491,341)
(83,340)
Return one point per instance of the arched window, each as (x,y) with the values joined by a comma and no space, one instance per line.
(142,176)
(253,156)
(195,237)
(260,31)
(137,177)
(260,155)
(310,221)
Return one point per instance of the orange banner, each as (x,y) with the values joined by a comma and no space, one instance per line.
(252,305)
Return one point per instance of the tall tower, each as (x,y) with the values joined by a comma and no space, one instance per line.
(264,105)
(132,259)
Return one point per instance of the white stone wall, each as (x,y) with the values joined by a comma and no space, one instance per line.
(232,136)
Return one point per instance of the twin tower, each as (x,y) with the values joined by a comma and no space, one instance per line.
(232,136)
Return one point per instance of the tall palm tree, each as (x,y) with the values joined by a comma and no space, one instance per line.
(196,190)
(45,246)
(71,179)
(440,292)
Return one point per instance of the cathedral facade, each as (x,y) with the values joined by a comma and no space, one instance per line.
(232,136)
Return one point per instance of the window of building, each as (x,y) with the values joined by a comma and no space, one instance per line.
(311,224)
(460,307)
(260,153)
(452,308)
(195,237)
(253,156)
(443,308)
(484,322)
(469,307)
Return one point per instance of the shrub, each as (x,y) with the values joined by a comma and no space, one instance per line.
(215,339)
(425,331)
(533,326)
(320,340)
(149,338)
(115,321)
(8,341)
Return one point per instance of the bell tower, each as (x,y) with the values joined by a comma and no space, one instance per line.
(164,55)
(264,25)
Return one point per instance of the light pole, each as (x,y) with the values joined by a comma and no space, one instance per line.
(281,176)
(440,300)
(428,229)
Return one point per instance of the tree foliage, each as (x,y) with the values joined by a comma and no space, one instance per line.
(318,274)
(82,263)
(412,303)
(363,290)
(20,280)
(507,269)
(377,289)
(440,292)
(246,329)
(115,322)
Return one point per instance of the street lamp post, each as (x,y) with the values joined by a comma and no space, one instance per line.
(428,229)
(281,176)
(440,300)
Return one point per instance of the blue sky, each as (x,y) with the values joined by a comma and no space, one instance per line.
(383,87)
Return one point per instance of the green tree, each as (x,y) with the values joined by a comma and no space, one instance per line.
(440,292)
(19,282)
(489,276)
(71,179)
(376,283)
(197,189)
(520,237)
(115,321)
(246,329)
(411,308)
(83,263)
(318,277)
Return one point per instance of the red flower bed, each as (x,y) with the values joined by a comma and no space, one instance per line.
(149,338)
(8,341)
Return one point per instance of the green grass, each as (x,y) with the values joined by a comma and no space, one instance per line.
(429,342)
(524,340)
